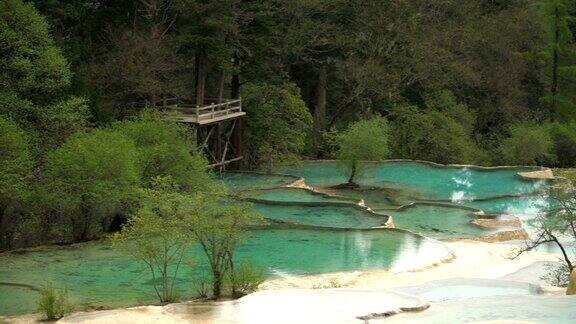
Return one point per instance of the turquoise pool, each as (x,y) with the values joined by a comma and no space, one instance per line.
(428,180)
(440,222)
(329,234)
(295,195)
(325,216)
(238,181)
(97,275)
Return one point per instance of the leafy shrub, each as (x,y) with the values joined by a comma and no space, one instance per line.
(53,302)
(246,279)
(202,287)
(527,145)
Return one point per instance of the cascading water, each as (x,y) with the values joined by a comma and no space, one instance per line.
(463,183)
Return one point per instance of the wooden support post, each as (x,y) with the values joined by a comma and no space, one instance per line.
(236,142)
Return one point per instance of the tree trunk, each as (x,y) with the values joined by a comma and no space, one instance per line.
(232,277)
(320,110)
(217,285)
(555,60)
(221,82)
(352,174)
(235,84)
(200,76)
(5,237)
(86,219)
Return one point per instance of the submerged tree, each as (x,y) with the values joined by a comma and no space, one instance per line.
(366,140)
(155,235)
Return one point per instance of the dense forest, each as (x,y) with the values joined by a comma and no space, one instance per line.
(470,81)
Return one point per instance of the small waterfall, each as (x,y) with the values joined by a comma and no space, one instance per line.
(463,183)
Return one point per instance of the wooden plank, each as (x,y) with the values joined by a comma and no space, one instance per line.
(225,162)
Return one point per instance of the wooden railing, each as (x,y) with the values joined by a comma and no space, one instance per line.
(203,113)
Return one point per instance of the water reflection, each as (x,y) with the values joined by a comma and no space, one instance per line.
(93,273)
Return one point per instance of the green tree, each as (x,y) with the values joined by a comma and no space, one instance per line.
(166,148)
(16,166)
(527,145)
(31,65)
(91,178)
(442,132)
(557,226)
(61,120)
(155,235)
(34,76)
(277,121)
(219,226)
(365,140)
(564,138)
(561,49)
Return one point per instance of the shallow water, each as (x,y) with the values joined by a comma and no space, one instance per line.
(532,309)
(463,288)
(445,183)
(326,216)
(437,221)
(526,205)
(294,195)
(237,181)
(97,275)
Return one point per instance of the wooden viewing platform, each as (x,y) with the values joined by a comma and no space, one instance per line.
(203,115)
(218,126)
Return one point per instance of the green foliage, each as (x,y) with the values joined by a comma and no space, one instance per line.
(166,149)
(53,302)
(33,78)
(219,226)
(155,234)
(31,66)
(441,133)
(245,278)
(16,167)
(564,138)
(559,53)
(15,160)
(60,121)
(91,178)
(365,140)
(527,145)
(277,123)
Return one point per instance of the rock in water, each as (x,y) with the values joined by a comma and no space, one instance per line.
(572,284)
